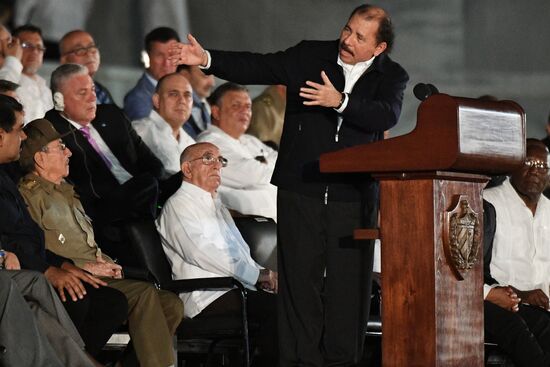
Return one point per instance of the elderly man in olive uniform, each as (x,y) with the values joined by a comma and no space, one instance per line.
(153,315)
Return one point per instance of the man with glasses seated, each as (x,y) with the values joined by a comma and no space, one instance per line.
(201,241)
(153,315)
(33,91)
(517,261)
(79,47)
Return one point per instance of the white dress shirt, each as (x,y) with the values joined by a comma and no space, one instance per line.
(116,168)
(157,135)
(201,241)
(246,185)
(34,94)
(521,248)
(352,73)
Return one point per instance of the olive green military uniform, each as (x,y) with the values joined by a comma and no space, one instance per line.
(268,114)
(153,315)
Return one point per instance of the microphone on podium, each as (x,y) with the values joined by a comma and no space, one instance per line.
(423,91)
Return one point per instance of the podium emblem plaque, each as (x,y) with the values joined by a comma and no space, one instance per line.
(462,237)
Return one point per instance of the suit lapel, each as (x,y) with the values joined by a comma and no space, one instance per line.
(70,133)
(112,136)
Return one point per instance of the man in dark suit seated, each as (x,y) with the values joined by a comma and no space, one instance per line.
(96,311)
(517,261)
(114,172)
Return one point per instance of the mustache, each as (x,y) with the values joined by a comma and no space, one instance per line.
(344,47)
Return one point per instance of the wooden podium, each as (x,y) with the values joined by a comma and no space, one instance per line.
(431,224)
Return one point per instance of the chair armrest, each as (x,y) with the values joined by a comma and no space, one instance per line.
(189,285)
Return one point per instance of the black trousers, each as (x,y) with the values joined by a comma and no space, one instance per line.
(322,318)
(98,315)
(524,335)
(261,308)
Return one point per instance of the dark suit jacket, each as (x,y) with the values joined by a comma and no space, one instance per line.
(137,102)
(489,228)
(374,106)
(19,233)
(92,178)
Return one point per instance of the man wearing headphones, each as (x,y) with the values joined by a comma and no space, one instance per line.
(113,171)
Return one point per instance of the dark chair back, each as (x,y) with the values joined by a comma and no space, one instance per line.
(261,236)
(147,246)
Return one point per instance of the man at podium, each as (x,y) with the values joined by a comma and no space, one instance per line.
(517,262)
(340,93)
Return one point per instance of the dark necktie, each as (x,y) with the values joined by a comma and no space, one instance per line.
(86,132)
(204,115)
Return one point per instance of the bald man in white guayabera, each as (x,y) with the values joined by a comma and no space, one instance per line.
(201,241)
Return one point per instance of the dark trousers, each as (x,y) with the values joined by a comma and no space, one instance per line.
(262,309)
(322,319)
(98,315)
(523,335)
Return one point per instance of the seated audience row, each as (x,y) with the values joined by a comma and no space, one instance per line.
(153,315)
(95,310)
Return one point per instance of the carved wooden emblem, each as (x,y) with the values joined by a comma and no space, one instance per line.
(461,237)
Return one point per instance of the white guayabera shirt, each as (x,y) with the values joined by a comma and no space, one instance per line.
(521,247)
(201,240)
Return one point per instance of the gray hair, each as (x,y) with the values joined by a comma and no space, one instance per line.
(64,73)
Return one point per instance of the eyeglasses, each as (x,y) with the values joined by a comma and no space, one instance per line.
(83,51)
(208,159)
(61,147)
(539,165)
(31,47)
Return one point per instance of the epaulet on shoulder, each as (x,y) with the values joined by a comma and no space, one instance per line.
(266,100)
(29,185)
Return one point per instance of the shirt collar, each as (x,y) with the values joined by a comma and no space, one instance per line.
(215,129)
(74,123)
(160,123)
(151,79)
(164,127)
(48,186)
(196,192)
(360,66)
(542,202)
(198,100)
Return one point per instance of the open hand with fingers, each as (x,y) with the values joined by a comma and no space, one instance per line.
(69,278)
(190,53)
(321,94)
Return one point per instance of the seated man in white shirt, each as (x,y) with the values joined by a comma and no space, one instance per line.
(246,185)
(22,68)
(201,240)
(162,130)
(517,262)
